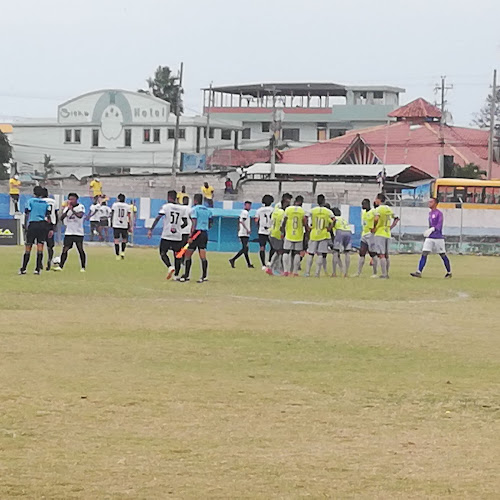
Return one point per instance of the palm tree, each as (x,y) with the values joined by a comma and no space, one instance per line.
(165,86)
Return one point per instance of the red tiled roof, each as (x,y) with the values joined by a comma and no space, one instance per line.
(415,144)
(237,158)
(419,108)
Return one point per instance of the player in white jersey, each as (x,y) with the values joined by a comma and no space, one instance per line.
(187,223)
(104,216)
(263,221)
(94,218)
(121,224)
(244,231)
(51,227)
(73,217)
(171,236)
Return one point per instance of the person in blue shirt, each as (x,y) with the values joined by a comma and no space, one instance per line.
(37,218)
(202,221)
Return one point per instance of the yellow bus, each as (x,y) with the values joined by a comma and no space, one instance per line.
(473,193)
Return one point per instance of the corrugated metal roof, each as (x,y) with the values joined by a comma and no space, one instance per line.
(419,108)
(328,170)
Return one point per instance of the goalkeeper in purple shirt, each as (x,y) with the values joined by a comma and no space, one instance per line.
(434,240)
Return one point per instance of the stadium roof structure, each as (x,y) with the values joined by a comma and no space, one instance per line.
(403,142)
(349,173)
(299,89)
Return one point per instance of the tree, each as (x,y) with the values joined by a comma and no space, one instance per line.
(468,171)
(165,86)
(48,168)
(482,119)
(5,156)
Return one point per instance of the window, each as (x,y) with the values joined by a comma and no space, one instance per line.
(378,94)
(211,133)
(474,195)
(225,134)
(68,133)
(446,194)
(246,133)
(291,134)
(128,138)
(363,95)
(95,137)
(171,133)
(336,133)
(78,135)
(492,196)
(266,126)
(156,135)
(146,135)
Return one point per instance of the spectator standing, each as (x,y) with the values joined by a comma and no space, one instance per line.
(95,187)
(228,186)
(208,194)
(14,185)
(181,195)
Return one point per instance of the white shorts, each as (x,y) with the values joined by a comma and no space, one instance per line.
(381,245)
(295,246)
(434,245)
(318,247)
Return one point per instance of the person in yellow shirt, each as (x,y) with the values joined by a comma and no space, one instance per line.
(383,222)
(319,237)
(181,195)
(342,243)
(208,194)
(294,223)
(95,187)
(14,185)
(276,235)
(367,237)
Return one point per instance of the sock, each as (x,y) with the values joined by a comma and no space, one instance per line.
(388,262)
(165,259)
(262,255)
(325,263)
(39,261)
(383,265)
(361,263)
(287,261)
(337,261)
(375,264)
(187,269)
(271,253)
(51,256)
(421,264)
(237,256)
(296,263)
(334,263)
(446,262)
(247,258)
(204,268)
(177,265)
(26,259)
(124,245)
(309,262)
(117,248)
(319,264)
(64,256)
(347,263)
(274,261)
(83,258)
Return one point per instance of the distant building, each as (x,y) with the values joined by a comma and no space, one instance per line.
(306,112)
(417,138)
(115,131)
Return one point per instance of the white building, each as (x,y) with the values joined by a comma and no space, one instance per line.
(112,130)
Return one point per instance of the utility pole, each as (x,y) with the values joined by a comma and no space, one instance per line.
(443,88)
(492,123)
(175,164)
(207,129)
(274,137)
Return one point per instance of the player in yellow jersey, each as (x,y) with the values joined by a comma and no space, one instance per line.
(276,236)
(294,224)
(319,237)
(383,222)
(367,237)
(342,243)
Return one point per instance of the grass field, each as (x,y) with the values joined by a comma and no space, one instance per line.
(118,384)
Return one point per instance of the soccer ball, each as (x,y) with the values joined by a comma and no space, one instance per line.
(56,261)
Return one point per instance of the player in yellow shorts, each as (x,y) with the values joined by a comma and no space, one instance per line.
(294,223)
(319,237)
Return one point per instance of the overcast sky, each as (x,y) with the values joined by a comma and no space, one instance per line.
(53,50)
